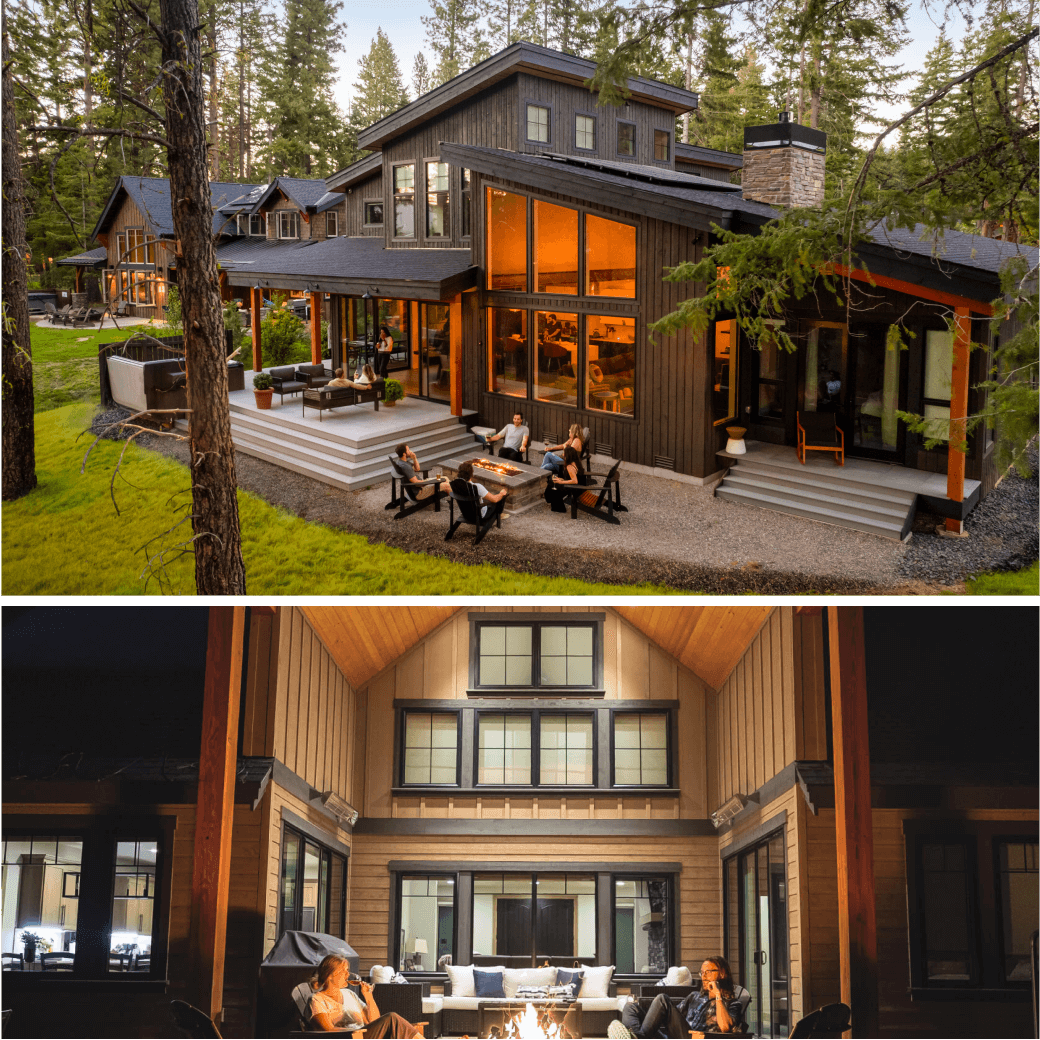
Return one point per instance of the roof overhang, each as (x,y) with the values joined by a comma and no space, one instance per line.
(355,173)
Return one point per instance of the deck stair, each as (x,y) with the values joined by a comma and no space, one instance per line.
(348,449)
(838,495)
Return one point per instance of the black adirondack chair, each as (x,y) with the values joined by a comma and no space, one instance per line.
(467,498)
(829,1021)
(599,500)
(194,1022)
(404,493)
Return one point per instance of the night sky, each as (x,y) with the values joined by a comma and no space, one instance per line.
(946,683)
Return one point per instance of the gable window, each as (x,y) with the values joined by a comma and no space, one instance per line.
(626,138)
(1017,876)
(242,223)
(466,201)
(331,224)
(121,257)
(313,885)
(426,921)
(662,146)
(258,224)
(431,742)
(288,223)
(437,216)
(139,251)
(404,201)
(538,124)
(374,213)
(641,755)
(585,133)
(504,749)
(561,654)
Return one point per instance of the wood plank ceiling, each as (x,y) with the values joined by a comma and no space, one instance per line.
(707,640)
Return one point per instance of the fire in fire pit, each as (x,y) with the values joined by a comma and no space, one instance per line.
(526,1026)
(496,467)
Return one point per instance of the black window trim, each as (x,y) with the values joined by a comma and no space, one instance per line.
(393,203)
(426,199)
(670,136)
(306,832)
(1013,839)
(670,749)
(465,204)
(671,943)
(399,743)
(365,203)
(397,898)
(594,150)
(535,102)
(635,140)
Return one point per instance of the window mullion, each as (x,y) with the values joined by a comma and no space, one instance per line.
(94,916)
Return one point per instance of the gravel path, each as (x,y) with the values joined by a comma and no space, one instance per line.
(676,534)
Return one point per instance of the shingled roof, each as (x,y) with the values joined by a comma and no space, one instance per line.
(302,192)
(91,258)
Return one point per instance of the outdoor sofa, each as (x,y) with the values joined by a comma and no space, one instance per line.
(325,397)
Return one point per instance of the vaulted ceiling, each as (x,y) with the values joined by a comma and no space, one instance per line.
(707,640)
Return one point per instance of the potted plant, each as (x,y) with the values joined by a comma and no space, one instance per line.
(393,391)
(30,940)
(263,389)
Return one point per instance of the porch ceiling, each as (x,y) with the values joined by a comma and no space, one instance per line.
(707,640)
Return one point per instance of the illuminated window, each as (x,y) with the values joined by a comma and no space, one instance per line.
(555,376)
(662,145)
(431,741)
(610,258)
(724,373)
(640,749)
(610,344)
(139,251)
(555,249)
(507,354)
(507,240)
(404,201)
(626,138)
(466,201)
(938,373)
(504,746)
(585,133)
(437,217)
(538,124)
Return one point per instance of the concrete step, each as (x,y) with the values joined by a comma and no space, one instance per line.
(836,477)
(811,496)
(869,494)
(783,503)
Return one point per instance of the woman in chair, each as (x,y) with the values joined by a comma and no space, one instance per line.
(572,474)
(554,462)
(336,1009)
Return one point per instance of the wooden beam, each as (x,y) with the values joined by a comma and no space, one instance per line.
(455,351)
(256,302)
(211,870)
(958,414)
(857,922)
(316,328)
(912,289)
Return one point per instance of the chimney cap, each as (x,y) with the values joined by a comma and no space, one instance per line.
(783,117)
(784,134)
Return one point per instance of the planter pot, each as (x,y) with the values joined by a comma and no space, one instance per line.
(390,404)
(30,953)
(263,398)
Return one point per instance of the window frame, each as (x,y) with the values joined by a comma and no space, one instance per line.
(669,147)
(446,192)
(142,244)
(331,224)
(398,906)
(997,840)
(365,203)
(530,103)
(294,216)
(617,140)
(395,194)
(673,914)
(535,715)
(669,749)
(594,150)
(465,203)
(536,622)
(305,835)
(402,725)
(261,219)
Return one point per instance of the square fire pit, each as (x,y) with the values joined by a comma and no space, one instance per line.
(524,483)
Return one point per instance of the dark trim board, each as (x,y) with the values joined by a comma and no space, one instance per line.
(308,830)
(548,828)
(754,836)
(428,866)
(517,791)
(553,700)
(396,288)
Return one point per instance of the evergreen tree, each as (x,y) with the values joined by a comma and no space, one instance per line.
(719,123)
(378,90)
(421,79)
(455,35)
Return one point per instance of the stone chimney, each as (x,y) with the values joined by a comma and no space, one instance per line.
(783,163)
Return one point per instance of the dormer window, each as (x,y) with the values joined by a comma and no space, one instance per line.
(288,223)
(331,224)
(626,139)
(258,224)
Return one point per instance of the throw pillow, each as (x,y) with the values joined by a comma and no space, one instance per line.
(461,976)
(563,992)
(380,975)
(487,983)
(571,979)
(596,981)
(678,976)
(532,992)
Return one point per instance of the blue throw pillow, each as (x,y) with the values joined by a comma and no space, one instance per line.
(569,978)
(488,983)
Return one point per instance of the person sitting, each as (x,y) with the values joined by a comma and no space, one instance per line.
(364,378)
(714,1008)
(336,1008)
(514,440)
(554,462)
(572,474)
(488,500)
(339,380)
(407,456)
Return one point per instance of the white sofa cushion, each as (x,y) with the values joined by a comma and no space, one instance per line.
(599,1003)
(461,976)
(432,1005)
(677,976)
(513,978)
(596,981)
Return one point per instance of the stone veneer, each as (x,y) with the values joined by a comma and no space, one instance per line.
(786,176)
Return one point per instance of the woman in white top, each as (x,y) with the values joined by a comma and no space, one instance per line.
(336,1008)
(366,378)
(384,347)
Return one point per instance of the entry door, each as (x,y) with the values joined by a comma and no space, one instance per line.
(757,947)
(825,384)
(877,375)
(432,362)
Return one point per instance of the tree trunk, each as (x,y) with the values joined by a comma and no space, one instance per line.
(241,94)
(214,122)
(218,550)
(19,449)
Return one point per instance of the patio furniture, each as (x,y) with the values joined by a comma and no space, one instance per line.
(313,375)
(285,382)
(467,498)
(13,962)
(831,1020)
(404,496)
(598,500)
(122,309)
(236,376)
(56,961)
(327,397)
(194,1022)
(819,431)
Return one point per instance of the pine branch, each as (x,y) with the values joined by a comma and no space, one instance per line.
(1017,136)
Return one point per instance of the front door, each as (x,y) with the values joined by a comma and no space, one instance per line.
(432,356)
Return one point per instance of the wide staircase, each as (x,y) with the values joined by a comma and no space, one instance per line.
(845,496)
(325,452)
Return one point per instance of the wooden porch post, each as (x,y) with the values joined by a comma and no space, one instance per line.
(211,870)
(316,328)
(958,413)
(857,923)
(79,279)
(255,302)
(455,351)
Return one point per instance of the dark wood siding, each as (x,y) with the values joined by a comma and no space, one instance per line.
(354,221)
(130,216)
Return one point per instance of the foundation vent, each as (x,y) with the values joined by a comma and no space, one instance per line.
(663,462)
(604,449)
(549,436)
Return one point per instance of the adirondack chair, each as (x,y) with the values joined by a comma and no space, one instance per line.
(404,493)
(598,500)
(829,1021)
(467,498)
(59,316)
(194,1022)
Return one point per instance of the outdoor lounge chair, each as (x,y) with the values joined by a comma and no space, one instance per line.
(465,496)
(59,316)
(285,382)
(819,431)
(194,1022)
(599,500)
(76,317)
(404,497)
(831,1020)
(122,309)
(302,999)
(50,311)
(313,375)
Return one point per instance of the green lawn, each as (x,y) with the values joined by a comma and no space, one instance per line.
(1007,583)
(65,538)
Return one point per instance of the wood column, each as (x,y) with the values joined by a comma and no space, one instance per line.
(211,870)
(455,351)
(316,328)
(255,303)
(79,279)
(857,922)
(958,413)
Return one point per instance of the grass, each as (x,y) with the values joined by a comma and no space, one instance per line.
(1025,582)
(65,539)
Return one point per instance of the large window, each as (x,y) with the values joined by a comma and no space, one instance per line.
(535,749)
(641,749)
(313,885)
(724,372)
(288,223)
(938,373)
(507,240)
(611,363)
(404,201)
(1019,911)
(549,655)
(139,251)
(507,353)
(431,742)
(662,146)
(610,257)
(427,921)
(504,750)
(538,124)
(438,223)
(555,248)
(557,341)
(642,925)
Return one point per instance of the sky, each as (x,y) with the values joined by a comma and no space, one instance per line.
(401,21)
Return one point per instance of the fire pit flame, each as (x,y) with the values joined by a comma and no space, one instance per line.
(527,1027)
(496,467)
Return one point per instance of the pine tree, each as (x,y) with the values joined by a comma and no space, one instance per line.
(454,33)
(421,80)
(719,123)
(378,90)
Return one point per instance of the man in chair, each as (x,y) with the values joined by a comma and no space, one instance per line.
(488,500)
(715,1008)
(514,440)
(407,458)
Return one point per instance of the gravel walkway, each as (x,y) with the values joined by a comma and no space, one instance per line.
(678,535)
